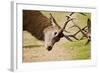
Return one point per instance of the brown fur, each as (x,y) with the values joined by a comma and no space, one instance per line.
(35,22)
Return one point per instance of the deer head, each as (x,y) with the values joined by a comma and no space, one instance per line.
(54,33)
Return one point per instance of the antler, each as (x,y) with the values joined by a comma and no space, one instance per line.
(69,18)
(66,23)
(82,14)
(89,25)
(89,31)
(67,37)
(53,19)
(84,32)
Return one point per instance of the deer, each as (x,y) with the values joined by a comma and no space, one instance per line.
(43,28)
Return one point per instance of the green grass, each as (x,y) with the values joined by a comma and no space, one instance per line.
(79,49)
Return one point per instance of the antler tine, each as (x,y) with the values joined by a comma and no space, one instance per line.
(54,20)
(74,35)
(87,42)
(66,23)
(67,37)
(82,14)
(69,16)
(68,19)
(71,13)
(89,25)
(81,31)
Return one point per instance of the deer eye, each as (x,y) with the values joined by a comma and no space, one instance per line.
(55,33)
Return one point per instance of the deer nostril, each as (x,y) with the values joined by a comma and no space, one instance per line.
(49,48)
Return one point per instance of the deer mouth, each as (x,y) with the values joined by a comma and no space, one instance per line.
(49,48)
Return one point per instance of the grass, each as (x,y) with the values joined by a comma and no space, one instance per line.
(80,50)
